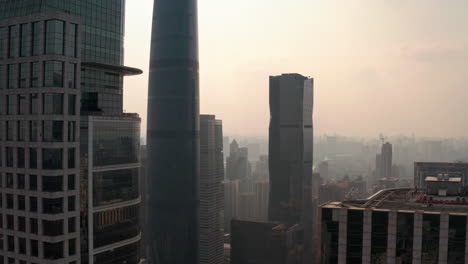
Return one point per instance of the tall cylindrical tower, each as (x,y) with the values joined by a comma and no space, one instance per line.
(173,133)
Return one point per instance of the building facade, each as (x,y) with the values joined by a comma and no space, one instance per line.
(65,67)
(173,133)
(211,191)
(39,146)
(395,226)
(231,203)
(422,170)
(290,145)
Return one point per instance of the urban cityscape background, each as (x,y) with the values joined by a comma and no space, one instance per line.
(141,134)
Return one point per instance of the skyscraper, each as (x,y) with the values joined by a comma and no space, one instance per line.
(290,154)
(173,133)
(75,160)
(211,190)
(386,160)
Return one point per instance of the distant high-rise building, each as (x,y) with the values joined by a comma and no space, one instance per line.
(386,160)
(211,190)
(290,147)
(76,152)
(262,193)
(173,132)
(231,203)
(324,170)
(261,169)
(237,164)
(247,206)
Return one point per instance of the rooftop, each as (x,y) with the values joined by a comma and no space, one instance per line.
(406,200)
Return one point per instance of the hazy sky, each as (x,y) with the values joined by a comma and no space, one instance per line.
(380,66)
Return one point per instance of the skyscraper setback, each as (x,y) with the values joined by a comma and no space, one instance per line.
(173,133)
(76,152)
(290,151)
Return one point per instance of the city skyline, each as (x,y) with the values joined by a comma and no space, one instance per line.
(391,71)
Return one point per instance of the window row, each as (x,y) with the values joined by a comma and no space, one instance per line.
(51,251)
(50,131)
(28,75)
(49,206)
(24,104)
(48,183)
(32,39)
(49,228)
(52,158)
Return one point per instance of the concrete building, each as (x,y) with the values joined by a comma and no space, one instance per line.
(211,190)
(67,166)
(422,170)
(323,169)
(396,226)
(261,171)
(173,132)
(290,145)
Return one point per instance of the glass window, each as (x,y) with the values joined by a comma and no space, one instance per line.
(10,202)
(21,181)
(52,228)
(72,104)
(71,247)
(72,38)
(115,186)
(71,131)
(71,182)
(24,44)
(10,130)
(22,129)
(71,158)
(71,75)
(52,159)
(36,39)
(33,182)
(35,72)
(457,239)
(108,135)
(12,75)
(33,129)
(22,104)
(71,203)
(24,74)
(10,222)
(53,103)
(116,225)
(9,157)
(21,224)
(20,157)
(11,104)
(34,104)
(430,240)
(12,41)
(71,225)
(33,223)
(53,250)
(52,183)
(52,206)
(33,204)
(53,74)
(354,236)
(34,248)
(125,254)
(52,131)
(2,75)
(9,180)
(33,158)
(54,37)
(21,202)
(2,42)
(22,245)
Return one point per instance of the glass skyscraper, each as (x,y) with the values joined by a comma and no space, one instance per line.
(68,154)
